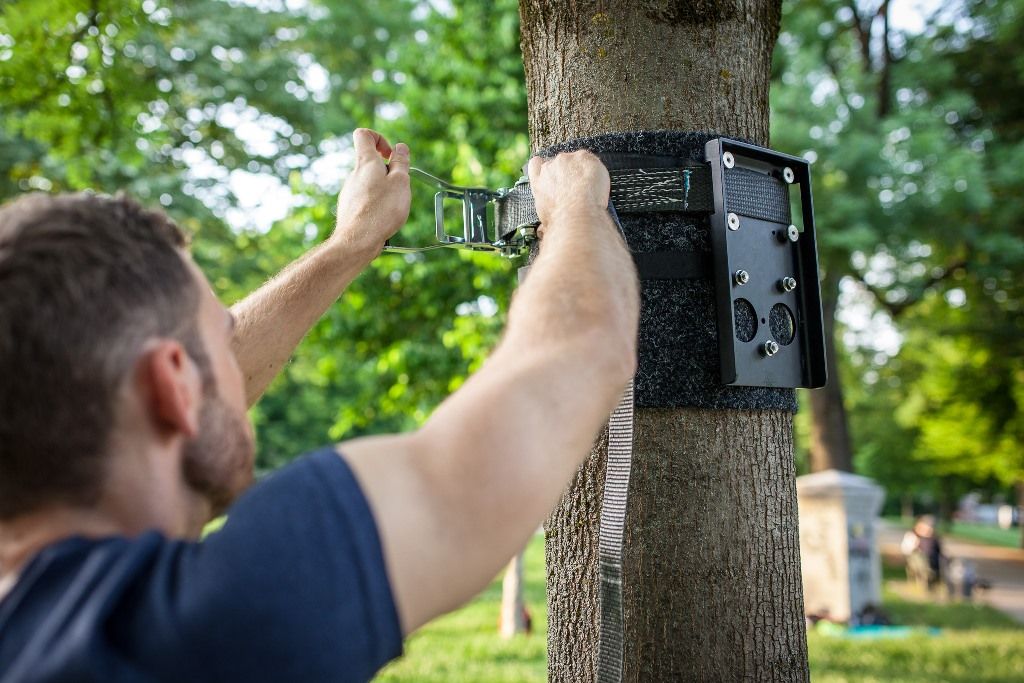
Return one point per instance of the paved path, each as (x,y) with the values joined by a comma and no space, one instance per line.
(1004,567)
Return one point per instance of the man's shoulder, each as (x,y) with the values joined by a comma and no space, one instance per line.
(294,580)
(61,604)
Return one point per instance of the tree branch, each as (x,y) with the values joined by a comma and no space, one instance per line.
(896,308)
(885,78)
(863,30)
(833,68)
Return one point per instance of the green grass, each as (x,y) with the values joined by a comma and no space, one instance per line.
(464,646)
(1008,538)
(977,644)
(967,531)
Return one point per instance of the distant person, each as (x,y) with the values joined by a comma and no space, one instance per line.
(124,385)
(922,549)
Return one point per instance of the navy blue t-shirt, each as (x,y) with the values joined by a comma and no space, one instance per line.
(293,588)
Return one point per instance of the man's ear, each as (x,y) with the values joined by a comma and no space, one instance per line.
(173,387)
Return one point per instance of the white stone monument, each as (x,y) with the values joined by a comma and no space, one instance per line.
(842,570)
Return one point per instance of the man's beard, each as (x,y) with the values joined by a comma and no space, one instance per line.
(218,463)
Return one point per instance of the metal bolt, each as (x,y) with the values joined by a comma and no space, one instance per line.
(741,277)
(787,175)
(787,284)
(728,159)
(770,348)
(792,233)
(733,220)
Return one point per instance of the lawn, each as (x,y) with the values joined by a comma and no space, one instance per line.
(464,646)
(983,533)
(977,644)
(967,531)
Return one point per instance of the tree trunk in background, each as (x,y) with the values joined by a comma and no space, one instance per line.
(1020,511)
(513,609)
(830,447)
(907,506)
(711,565)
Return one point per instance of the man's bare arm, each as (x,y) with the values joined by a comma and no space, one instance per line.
(371,207)
(456,499)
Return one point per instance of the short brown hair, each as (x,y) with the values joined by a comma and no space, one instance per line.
(85,280)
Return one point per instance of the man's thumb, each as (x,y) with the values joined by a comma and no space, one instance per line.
(399,159)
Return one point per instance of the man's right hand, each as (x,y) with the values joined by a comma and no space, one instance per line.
(374,202)
(575,183)
(454,500)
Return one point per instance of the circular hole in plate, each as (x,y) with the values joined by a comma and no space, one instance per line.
(782,324)
(745,319)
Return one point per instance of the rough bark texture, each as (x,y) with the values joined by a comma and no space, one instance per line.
(830,447)
(712,565)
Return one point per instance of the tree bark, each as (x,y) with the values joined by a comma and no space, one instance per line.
(830,447)
(711,560)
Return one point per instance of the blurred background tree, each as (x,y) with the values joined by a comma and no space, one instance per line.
(236,115)
(915,134)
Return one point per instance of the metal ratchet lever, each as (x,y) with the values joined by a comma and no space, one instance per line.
(474,215)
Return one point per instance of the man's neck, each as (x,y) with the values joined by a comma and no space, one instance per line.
(23,537)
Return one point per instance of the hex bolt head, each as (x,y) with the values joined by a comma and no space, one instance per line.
(788,175)
(733,220)
(741,277)
(728,160)
(770,348)
(787,284)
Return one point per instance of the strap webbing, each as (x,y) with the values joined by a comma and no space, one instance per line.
(645,184)
(611,628)
(749,193)
(684,188)
(676,188)
(672,265)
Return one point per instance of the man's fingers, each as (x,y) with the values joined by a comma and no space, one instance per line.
(399,159)
(370,145)
(533,170)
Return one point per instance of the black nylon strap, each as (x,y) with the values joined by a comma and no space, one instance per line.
(673,265)
(648,184)
(683,188)
(749,193)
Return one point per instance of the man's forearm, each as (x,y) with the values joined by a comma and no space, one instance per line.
(273,320)
(479,477)
(583,277)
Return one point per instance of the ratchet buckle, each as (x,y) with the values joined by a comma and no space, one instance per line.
(479,232)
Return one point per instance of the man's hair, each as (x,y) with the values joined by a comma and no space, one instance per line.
(85,280)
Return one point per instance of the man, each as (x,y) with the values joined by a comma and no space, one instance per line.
(123,389)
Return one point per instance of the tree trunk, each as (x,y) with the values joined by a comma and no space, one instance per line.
(513,609)
(830,447)
(712,587)
(907,506)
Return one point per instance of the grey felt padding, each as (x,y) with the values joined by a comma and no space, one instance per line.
(679,363)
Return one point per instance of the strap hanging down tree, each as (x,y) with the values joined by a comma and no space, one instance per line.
(764,269)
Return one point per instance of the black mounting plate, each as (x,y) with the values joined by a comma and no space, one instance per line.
(770,331)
